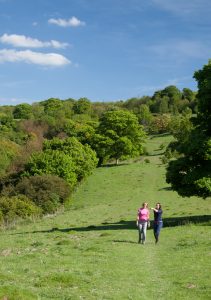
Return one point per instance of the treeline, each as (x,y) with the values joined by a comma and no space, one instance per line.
(47,148)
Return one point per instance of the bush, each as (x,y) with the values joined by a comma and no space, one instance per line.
(47,191)
(83,158)
(12,208)
(52,162)
(147,160)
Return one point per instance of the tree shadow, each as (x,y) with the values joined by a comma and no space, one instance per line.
(167,188)
(129,225)
(159,135)
(179,221)
(113,165)
(155,154)
(124,241)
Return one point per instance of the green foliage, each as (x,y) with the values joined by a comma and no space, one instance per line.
(46,191)
(8,151)
(82,106)
(185,173)
(191,173)
(66,158)
(188,94)
(15,207)
(160,124)
(52,106)
(203,78)
(82,156)
(144,116)
(101,144)
(85,132)
(121,135)
(23,111)
(53,162)
(172,100)
(41,260)
(180,126)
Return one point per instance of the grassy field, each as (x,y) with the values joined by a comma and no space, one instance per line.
(91,252)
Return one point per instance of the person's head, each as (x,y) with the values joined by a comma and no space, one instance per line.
(144,204)
(158,205)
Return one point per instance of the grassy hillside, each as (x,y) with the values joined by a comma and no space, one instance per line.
(91,250)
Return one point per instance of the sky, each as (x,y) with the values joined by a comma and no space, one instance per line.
(104,50)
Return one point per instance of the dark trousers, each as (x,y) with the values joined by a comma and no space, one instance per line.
(157,227)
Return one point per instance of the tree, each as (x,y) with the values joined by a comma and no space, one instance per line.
(66,158)
(163,106)
(82,156)
(180,126)
(52,106)
(82,106)
(52,162)
(8,151)
(188,94)
(144,116)
(160,124)
(23,111)
(120,135)
(190,174)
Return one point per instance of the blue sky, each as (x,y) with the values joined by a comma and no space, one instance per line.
(105,50)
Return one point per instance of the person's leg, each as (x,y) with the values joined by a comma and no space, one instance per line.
(155,230)
(159,226)
(144,232)
(140,232)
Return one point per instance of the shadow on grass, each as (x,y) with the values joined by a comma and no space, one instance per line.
(167,188)
(124,241)
(113,165)
(153,136)
(121,225)
(178,221)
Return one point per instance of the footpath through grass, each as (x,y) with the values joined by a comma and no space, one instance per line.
(91,251)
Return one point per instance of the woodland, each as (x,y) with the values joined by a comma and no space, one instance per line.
(49,147)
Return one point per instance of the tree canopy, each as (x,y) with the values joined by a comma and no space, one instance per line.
(119,135)
(190,174)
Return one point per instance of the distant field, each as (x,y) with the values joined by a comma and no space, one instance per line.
(91,250)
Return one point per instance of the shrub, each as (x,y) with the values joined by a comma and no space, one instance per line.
(15,207)
(8,151)
(83,158)
(52,162)
(47,191)
(147,160)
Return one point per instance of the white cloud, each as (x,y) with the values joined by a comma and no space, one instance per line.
(37,58)
(28,42)
(72,22)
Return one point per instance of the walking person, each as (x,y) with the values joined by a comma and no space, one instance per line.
(141,222)
(158,222)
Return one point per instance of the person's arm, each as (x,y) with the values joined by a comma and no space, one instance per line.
(156,210)
(148,214)
(137,218)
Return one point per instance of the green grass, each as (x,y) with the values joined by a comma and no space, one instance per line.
(91,251)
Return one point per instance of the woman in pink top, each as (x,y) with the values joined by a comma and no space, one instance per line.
(141,221)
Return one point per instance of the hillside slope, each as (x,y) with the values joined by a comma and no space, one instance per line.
(91,250)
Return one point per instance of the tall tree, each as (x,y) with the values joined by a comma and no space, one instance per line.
(191,173)
(123,134)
